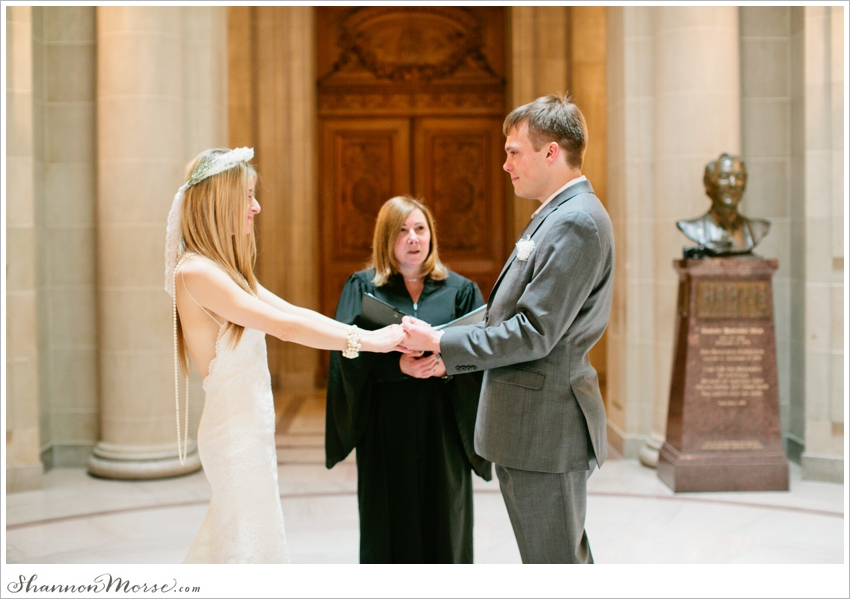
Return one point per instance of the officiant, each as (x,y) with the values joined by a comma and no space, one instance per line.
(412,425)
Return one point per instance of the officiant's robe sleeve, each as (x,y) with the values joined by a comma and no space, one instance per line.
(351,383)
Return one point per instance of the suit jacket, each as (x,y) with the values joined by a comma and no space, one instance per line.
(540,406)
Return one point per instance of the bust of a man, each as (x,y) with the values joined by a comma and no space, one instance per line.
(723,230)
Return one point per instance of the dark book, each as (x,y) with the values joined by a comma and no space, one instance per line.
(380,313)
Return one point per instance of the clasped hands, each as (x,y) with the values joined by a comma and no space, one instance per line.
(421,349)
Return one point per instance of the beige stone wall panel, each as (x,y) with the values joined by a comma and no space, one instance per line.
(133,65)
(70,255)
(74,380)
(818,260)
(138,325)
(693,128)
(137,387)
(69,24)
(765,126)
(836,399)
(140,130)
(19,122)
(74,426)
(72,186)
(204,79)
(20,271)
(678,193)
(770,56)
(75,61)
(765,23)
(139,192)
(127,258)
(154,21)
(73,307)
(768,183)
(20,194)
(21,342)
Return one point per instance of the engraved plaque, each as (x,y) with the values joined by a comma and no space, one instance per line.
(733,299)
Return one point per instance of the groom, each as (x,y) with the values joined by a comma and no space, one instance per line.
(541,420)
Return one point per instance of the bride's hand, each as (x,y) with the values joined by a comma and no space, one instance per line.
(383,340)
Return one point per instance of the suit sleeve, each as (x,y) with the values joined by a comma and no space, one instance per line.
(566,265)
(465,389)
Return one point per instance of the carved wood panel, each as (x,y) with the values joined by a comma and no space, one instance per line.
(373,46)
(363,163)
(428,77)
(457,169)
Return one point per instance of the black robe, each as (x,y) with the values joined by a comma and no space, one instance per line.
(414,437)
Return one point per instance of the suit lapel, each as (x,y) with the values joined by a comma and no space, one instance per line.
(534,224)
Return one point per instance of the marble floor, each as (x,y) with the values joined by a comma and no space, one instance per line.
(632,518)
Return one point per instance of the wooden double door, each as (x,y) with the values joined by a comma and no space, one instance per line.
(410,100)
(453,164)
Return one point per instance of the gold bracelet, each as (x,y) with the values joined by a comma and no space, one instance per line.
(353,349)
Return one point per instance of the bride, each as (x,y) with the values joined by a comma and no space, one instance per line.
(221,315)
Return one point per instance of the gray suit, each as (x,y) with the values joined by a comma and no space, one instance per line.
(540,418)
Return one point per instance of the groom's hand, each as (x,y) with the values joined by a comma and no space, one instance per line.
(420,335)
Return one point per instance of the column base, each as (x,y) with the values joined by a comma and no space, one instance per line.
(648,454)
(141,462)
(825,468)
(706,472)
(24,478)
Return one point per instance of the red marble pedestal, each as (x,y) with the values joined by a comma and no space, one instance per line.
(723,431)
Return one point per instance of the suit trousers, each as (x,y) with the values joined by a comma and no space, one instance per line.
(547,512)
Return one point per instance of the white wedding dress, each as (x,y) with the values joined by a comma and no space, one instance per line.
(244,522)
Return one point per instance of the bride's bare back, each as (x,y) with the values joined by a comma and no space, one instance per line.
(201,327)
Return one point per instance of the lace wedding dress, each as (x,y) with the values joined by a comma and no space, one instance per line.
(244,523)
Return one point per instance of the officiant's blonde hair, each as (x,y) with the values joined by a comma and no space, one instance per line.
(387,229)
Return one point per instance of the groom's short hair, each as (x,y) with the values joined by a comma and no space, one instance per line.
(552,118)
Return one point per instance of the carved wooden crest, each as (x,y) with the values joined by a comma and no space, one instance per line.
(411,44)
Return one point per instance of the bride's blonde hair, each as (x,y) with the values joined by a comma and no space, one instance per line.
(213,218)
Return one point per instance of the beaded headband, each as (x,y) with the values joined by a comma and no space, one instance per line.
(220,163)
(174,230)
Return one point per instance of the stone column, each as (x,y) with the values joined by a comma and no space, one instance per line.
(205,82)
(696,89)
(68,320)
(818,280)
(23,166)
(631,351)
(283,56)
(140,163)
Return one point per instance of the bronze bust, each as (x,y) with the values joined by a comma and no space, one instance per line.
(723,230)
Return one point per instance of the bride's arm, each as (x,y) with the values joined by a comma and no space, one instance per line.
(215,291)
(284,306)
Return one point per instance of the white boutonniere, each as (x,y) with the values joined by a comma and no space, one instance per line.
(524,248)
